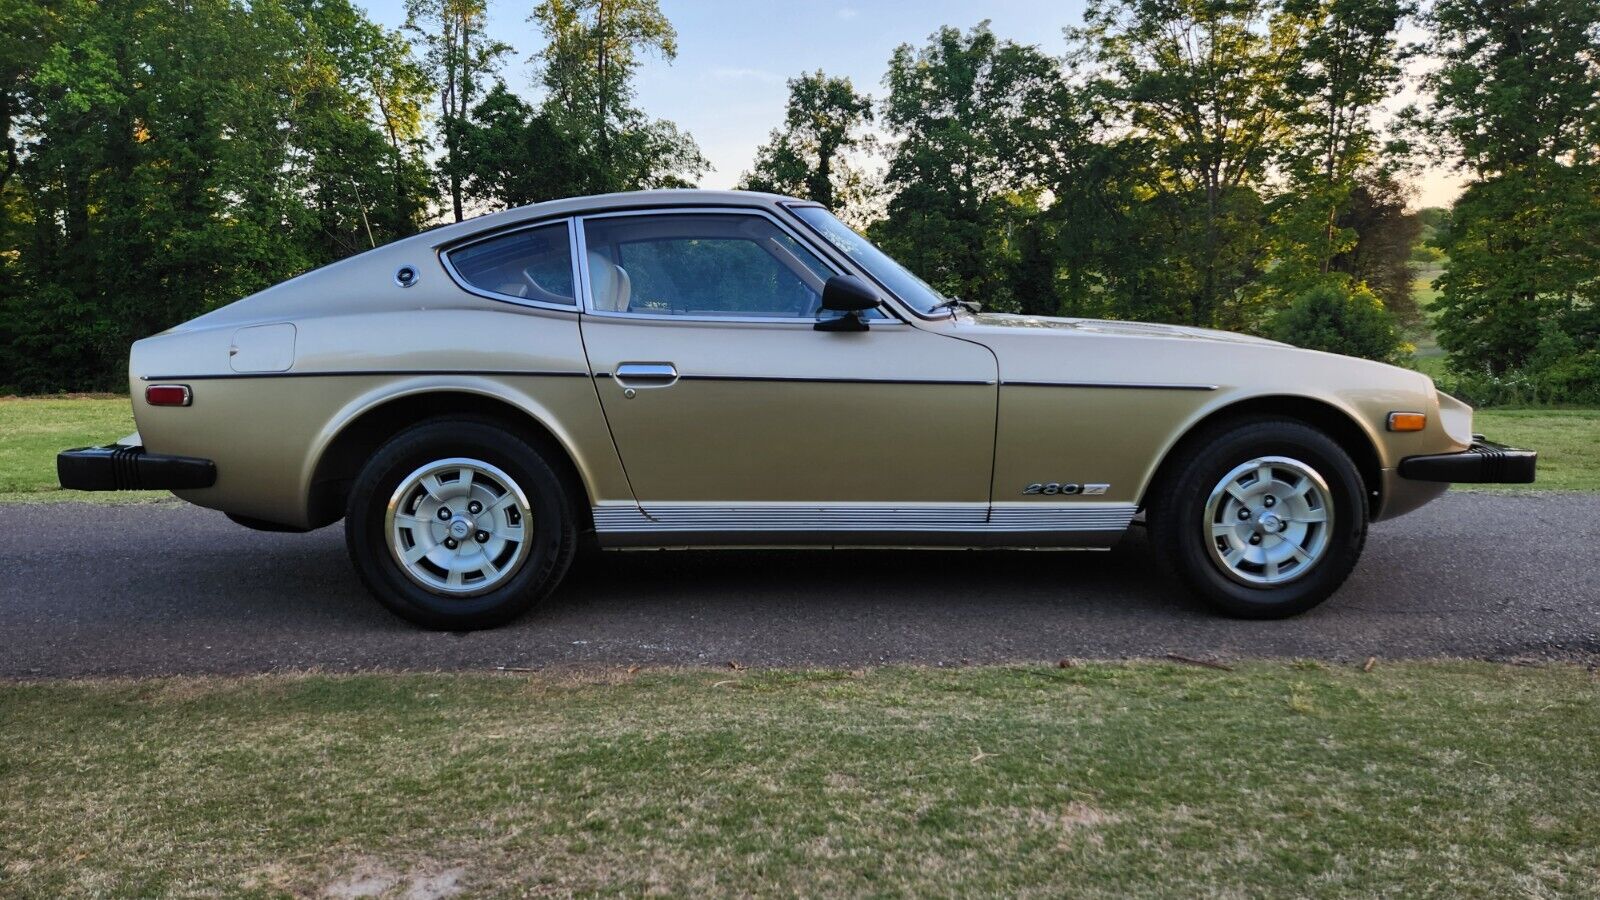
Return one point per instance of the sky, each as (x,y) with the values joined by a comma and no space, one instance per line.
(727,85)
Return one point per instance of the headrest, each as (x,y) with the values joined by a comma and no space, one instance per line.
(609,284)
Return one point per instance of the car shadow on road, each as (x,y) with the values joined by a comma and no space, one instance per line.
(273,581)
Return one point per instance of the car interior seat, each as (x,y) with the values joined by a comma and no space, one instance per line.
(609,283)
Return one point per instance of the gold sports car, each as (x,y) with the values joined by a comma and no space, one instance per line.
(700,368)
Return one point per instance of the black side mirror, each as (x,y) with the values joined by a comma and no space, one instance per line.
(848,295)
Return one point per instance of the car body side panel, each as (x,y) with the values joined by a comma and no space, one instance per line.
(1103,405)
(783,413)
(267,432)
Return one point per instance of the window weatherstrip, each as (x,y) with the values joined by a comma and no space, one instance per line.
(462,283)
(586,300)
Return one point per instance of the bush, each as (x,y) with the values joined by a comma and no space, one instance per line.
(1340,319)
(1559,371)
(1426,255)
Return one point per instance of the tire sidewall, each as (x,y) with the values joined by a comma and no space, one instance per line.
(442,439)
(1184,512)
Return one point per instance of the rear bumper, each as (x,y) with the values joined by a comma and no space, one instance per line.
(1484,463)
(121,467)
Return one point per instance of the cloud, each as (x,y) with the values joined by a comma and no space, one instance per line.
(847,13)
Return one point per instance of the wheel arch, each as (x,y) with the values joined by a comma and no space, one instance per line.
(357,436)
(1339,424)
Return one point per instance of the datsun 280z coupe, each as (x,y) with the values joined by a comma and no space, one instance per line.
(696,369)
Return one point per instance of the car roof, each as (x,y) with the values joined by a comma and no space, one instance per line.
(572,206)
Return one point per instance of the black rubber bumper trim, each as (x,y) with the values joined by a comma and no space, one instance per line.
(119,467)
(1485,463)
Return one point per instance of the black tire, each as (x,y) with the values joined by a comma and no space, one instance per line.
(552,538)
(1179,528)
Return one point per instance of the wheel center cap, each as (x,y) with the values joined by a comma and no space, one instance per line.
(460,528)
(1269,523)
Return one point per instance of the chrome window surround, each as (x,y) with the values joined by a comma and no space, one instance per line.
(789,206)
(461,281)
(581,257)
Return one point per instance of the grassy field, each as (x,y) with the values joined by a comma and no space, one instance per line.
(33,430)
(1276,779)
(1568,441)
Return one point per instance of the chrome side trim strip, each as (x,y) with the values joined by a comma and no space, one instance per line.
(1061,517)
(822,379)
(357,373)
(1114,385)
(860,518)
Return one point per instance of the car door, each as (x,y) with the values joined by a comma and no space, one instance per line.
(735,419)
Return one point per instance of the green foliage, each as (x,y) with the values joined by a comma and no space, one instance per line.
(592,52)
(1560,369)
(1213,162)
(173,159)
(1194,88)
(1343,60)
(1338,319)
(459,58)
(1384,238)
(1517,98)
(161,160)
(1522,259)
(824,121)
(975,117)
(1435,221)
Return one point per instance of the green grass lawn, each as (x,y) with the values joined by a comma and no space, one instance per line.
(1454,779)
(1568,441)
(34,429)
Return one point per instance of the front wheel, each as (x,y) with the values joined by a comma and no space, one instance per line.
(1264,519)
(458,524)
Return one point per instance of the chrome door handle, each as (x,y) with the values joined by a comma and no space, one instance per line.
(646,374)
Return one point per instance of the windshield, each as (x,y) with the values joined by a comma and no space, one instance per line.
(911,290)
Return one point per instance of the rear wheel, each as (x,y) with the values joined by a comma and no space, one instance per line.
(1264,519)
(458,524)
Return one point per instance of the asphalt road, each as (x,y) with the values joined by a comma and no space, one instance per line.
(169,588)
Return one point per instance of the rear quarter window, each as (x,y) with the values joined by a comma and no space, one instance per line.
(529,264)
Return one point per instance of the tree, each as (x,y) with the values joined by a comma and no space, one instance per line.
(974,118)
(1345,63)
(1516,101)
(171,158)
(514,154)
(1193,88)
(1336,319)
(460,57)
(1384,237)
(592,52)
(823,122)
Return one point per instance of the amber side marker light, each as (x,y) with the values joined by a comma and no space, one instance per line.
(168,395)
(1407,421)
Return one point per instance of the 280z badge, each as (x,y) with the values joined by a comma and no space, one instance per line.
(1065,488)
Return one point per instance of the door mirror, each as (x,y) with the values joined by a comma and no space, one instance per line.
(847,293)
(850,296)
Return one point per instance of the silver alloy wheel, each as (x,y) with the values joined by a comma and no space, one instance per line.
(459,526)
(1269,521)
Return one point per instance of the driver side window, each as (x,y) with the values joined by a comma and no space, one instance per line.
(701,265)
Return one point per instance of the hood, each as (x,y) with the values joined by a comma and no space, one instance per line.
(1121,329)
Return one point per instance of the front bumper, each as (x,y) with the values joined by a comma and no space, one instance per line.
(1484,463)
(124,467)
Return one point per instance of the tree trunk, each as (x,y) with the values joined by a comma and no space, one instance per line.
(604,139)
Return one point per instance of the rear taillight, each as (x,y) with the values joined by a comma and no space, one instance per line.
(168,395)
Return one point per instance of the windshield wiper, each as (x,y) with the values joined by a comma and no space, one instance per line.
(955,302)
